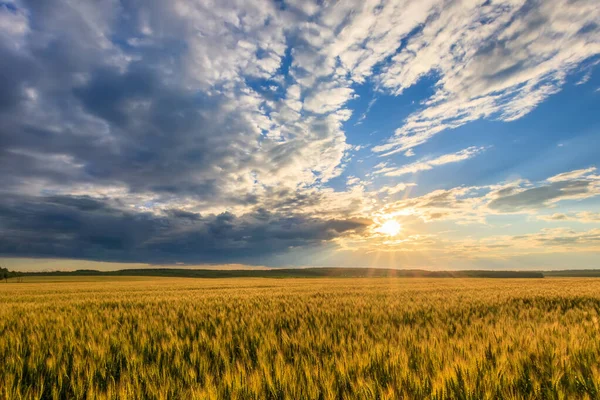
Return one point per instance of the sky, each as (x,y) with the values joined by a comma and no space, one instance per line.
(396,134)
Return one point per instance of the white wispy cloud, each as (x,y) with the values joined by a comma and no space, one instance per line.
(493,60)
(565,176)
(426,165)
(364,115)
(397,188)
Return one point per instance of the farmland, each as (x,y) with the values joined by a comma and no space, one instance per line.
(319,338)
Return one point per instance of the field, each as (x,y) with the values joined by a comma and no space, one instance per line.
(336,338)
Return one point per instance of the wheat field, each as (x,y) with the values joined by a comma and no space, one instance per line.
(377,338)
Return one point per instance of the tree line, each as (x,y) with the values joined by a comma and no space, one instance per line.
(5,274)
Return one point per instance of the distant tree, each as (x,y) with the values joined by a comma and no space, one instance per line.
(4,274)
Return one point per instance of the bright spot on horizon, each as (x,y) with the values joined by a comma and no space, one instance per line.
(390,227)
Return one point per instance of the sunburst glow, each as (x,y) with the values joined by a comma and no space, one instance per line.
(390,227)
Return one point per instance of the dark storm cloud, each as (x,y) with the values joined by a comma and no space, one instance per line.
(161,140)
(86,228)
(68,92)
(109,98)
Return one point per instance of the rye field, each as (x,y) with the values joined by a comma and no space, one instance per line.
(370,338)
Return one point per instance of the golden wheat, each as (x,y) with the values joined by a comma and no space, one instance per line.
(379,338)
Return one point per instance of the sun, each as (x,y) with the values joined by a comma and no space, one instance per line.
(391,227)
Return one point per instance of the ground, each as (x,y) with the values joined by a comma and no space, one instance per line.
(329,338)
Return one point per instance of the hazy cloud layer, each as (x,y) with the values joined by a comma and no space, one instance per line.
(585,217)
(475,204)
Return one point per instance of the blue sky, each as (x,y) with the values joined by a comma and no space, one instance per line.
(562,129)
(406,134)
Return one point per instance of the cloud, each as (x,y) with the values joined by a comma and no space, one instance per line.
(328,100)
(474,204)
(364,115)
(565,238)
(14,24)
(491,60)
(400,187)
(430,164)
(146,110)
(86,228)
(565,176)
(171,114)
(463,205)
(547,241)
(568,248)
(585,217)
(543,196)
(352,180)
